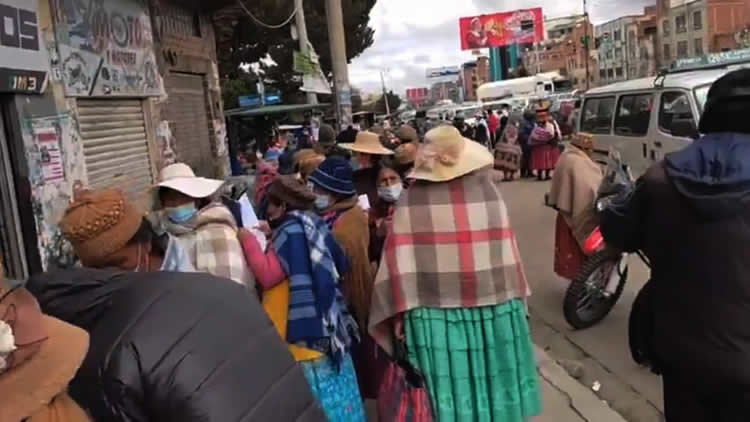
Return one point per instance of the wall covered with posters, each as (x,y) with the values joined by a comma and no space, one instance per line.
(106,48)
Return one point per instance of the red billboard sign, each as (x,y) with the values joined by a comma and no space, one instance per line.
(501,29)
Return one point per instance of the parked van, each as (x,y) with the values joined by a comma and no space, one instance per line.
(644,119)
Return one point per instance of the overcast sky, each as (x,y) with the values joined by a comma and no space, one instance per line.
(412,35)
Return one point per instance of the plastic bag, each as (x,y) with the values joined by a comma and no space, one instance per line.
(617,186)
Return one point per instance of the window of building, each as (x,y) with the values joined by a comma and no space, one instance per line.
(618,72)
(618,35)
(597,115)
(682,49)
(697,20)
(618,53)
(602,73)
(699,46)
(666,28)
(675,107)
(667,52)
(680,24)
(633,115)
(609,54)
(610,73)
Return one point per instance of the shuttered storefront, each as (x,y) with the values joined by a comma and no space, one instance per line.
(187,113)
(115,145)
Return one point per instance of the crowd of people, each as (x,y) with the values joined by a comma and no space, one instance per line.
(183,313)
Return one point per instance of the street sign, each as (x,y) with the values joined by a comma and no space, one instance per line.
(725,58)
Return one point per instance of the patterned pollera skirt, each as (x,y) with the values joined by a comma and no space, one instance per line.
(336,389)
(478,363)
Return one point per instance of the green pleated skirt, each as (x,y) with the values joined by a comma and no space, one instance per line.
(478,363)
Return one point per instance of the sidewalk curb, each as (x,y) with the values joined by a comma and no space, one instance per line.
(583,401)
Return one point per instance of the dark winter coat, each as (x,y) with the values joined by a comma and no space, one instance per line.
(691,217)
(176,347)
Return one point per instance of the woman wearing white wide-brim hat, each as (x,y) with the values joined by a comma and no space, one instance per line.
(207,228)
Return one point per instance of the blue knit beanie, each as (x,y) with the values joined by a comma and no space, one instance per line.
(334,175)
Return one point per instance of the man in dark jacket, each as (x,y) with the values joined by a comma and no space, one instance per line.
(176,347)
(690,215)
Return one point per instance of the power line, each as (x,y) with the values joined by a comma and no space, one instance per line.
(261,23)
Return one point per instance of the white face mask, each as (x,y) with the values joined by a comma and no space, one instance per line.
(391,193)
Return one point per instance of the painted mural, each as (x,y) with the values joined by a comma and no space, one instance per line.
(106,48)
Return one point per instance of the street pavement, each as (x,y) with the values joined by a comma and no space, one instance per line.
(599,355)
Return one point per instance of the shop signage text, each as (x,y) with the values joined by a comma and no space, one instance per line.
(23,61)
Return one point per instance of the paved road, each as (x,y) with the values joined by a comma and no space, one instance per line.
(603,349)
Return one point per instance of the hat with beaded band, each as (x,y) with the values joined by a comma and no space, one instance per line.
(99,223)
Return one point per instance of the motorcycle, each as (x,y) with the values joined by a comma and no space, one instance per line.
(593,294)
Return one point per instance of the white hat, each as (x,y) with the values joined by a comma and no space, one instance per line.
(367,143)
(180,177)
(446,155)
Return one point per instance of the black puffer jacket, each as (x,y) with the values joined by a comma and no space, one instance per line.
(176,347)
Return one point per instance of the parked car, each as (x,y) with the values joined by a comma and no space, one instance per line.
(644,119)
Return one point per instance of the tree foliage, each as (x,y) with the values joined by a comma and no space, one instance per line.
(378,107)
(241,40)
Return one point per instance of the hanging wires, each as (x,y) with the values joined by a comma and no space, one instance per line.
(261,23)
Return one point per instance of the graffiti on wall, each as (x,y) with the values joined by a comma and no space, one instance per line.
(106,48)
(165,141)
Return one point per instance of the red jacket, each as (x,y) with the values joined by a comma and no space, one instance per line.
(494,122)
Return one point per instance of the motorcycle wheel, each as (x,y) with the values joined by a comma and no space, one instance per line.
(585,303)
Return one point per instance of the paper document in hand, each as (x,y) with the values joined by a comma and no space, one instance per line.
(249,219)
(364,202)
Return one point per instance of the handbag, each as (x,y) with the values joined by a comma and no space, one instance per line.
(402,396)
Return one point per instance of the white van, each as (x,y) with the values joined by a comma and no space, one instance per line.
(644,119)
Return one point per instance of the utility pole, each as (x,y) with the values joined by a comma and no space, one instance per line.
(587,46)
(385,94)
(343,92)
(304,43)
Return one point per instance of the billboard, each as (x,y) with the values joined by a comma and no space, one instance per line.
(441,72)
(501,29)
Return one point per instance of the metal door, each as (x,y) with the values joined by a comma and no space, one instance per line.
(115,145)
(187,112)
(11,238)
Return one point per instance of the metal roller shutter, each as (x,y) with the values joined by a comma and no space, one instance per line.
(187,113)
(115,145)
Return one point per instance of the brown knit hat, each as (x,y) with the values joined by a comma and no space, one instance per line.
(292,191)
(99,223)
(407,133)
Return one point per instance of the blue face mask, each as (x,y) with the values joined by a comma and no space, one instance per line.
(182,213)
(391,193)
(322,202)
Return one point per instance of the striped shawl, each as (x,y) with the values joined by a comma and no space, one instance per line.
(451,246)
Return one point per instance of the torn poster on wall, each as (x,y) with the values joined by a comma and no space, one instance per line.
(51,155)
(106,48)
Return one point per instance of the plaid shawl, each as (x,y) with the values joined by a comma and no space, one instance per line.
(210,240)
(451,246)
(313,261)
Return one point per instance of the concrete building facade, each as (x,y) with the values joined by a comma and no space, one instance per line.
(693,28)
(626,47)
(473,75)
(98,95)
